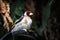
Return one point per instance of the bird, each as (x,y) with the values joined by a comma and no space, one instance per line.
(23,22)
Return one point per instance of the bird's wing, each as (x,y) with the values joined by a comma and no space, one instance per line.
(18,20)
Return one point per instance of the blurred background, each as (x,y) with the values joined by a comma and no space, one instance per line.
(45,20)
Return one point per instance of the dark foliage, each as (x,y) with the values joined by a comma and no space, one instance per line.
(52,31)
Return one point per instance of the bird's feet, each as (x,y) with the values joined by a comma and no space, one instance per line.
(25,30)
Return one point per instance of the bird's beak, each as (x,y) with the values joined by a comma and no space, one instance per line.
(31,14)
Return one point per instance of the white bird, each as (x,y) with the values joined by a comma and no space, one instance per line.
(24,23)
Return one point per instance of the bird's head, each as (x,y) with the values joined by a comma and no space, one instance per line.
(28,13)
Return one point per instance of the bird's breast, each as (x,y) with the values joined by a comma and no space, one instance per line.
(24,21)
